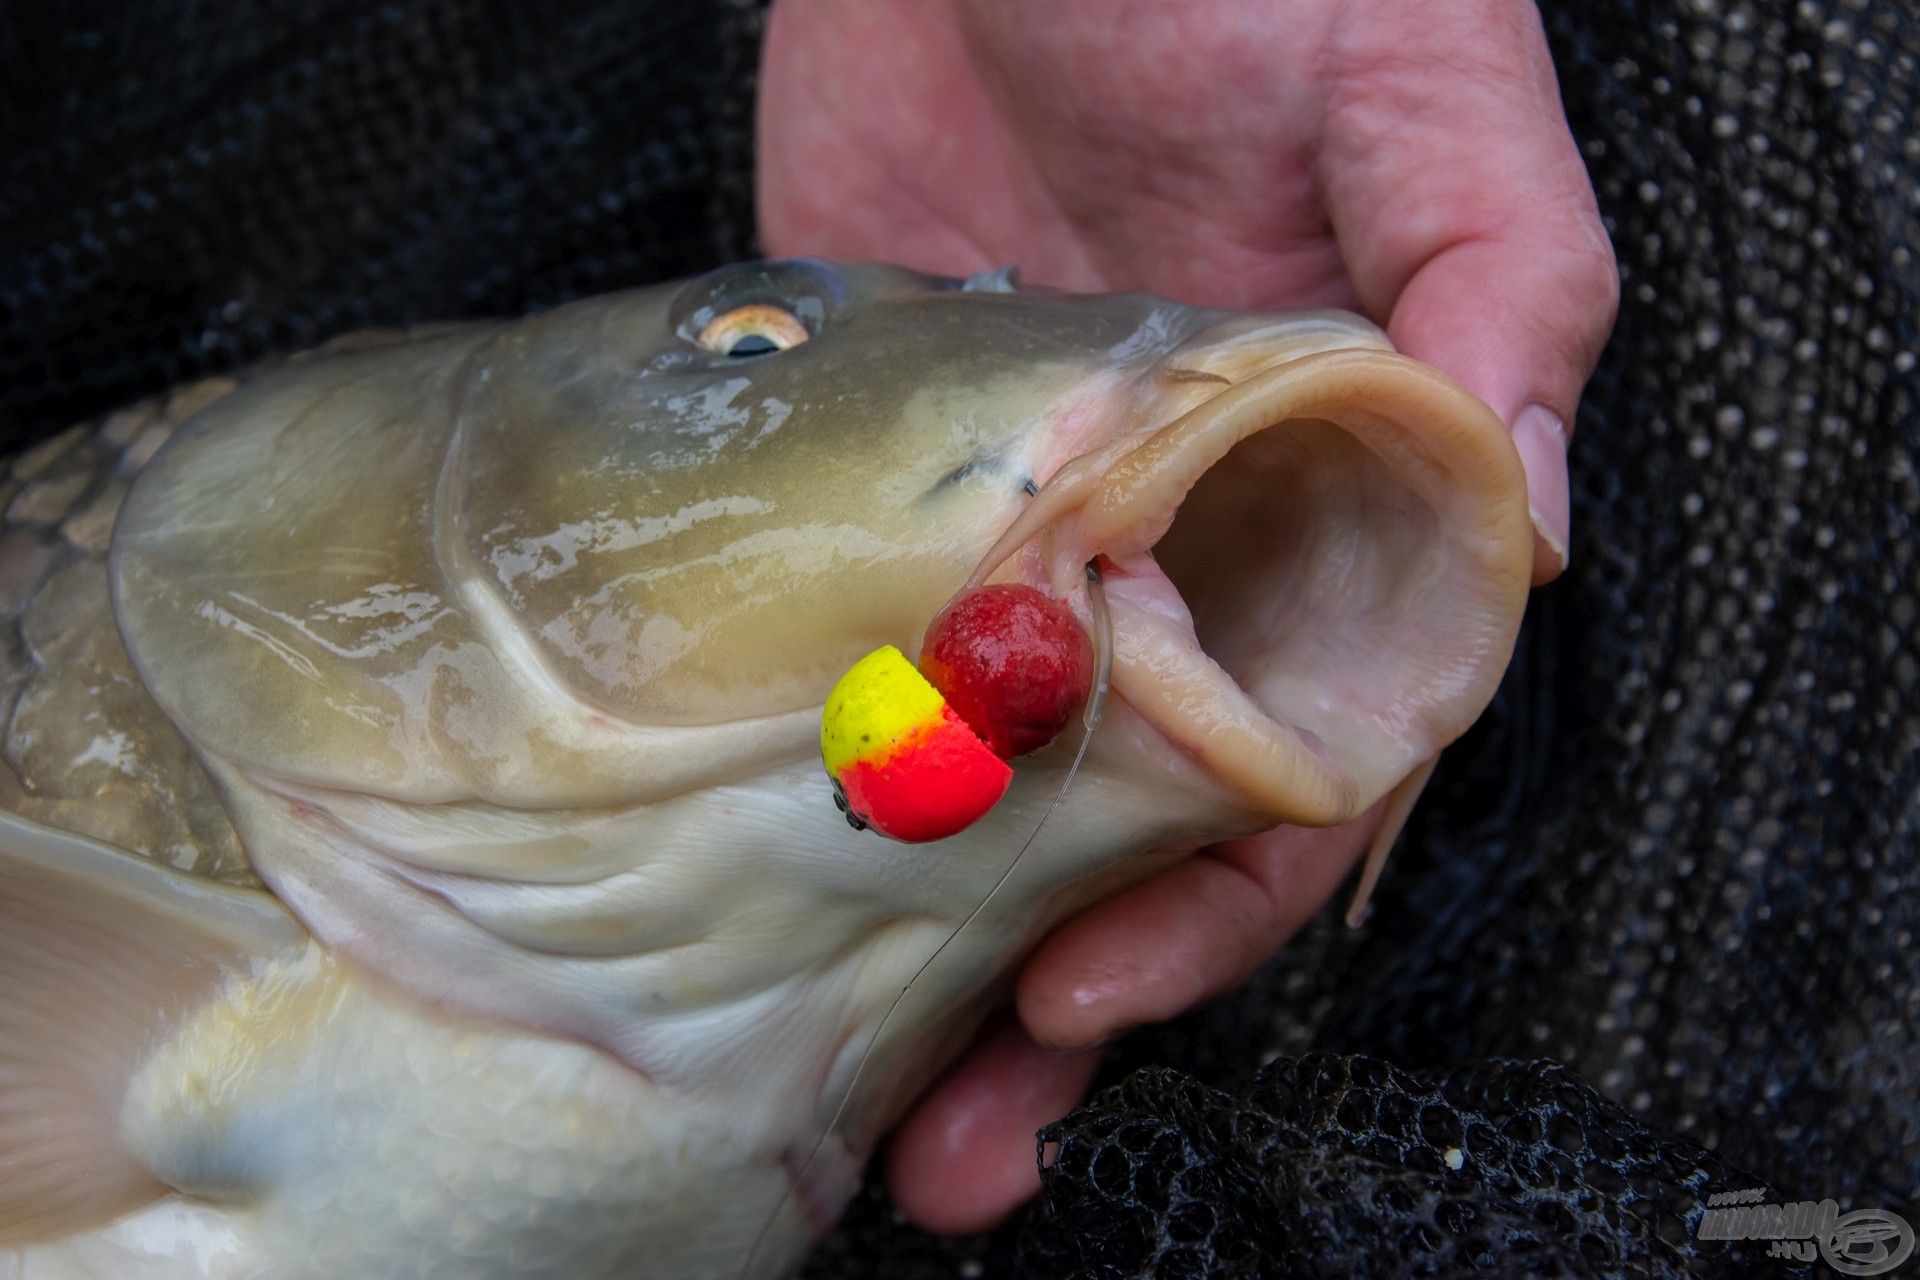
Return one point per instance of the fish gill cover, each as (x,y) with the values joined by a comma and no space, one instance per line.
(1677,858)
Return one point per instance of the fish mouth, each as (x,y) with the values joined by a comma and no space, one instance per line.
(1315,574)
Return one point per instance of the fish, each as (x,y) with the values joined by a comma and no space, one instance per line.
(415,856)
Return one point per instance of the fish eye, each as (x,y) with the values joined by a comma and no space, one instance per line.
(753,309)
(757,329)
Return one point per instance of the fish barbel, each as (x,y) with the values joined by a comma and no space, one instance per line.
(415,859)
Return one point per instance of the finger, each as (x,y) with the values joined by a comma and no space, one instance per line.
(828,182)
(1465,217)
(964,1157)
(1192,932)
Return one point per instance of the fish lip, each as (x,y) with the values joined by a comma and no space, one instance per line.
(1116,502)
(1235,348)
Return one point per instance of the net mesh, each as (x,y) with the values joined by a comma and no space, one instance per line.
(183,189)
(1348,1166)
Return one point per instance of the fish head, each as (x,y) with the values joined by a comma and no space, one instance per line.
(507,647)
(706,502)
(711,526)
(612,557)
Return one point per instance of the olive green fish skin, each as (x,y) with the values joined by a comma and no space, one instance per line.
(598,410)
(89,750)
(682,540)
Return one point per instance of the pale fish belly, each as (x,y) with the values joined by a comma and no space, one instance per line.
(376,1141)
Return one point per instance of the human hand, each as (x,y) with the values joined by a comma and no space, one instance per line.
(1407,160)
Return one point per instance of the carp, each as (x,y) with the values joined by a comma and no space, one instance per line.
(416,859)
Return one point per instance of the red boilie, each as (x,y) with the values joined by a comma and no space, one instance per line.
(1013,663)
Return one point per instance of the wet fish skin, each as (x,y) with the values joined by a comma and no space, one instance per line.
(499,650)
(86,748)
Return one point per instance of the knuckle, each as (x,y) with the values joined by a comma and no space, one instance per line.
(1596,269)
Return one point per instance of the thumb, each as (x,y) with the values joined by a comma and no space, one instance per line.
(1519,323)
(1465,216)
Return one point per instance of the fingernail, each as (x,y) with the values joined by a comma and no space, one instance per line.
(1540,437)
(1101,1038)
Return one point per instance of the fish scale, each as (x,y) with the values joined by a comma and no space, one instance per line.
(86,748)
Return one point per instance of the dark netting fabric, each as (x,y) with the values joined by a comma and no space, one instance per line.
(186,186)
(1346,1166)
(1674,869)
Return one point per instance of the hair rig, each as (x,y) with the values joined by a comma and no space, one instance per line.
(920,754)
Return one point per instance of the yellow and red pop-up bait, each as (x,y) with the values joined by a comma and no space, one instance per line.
(921,754)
